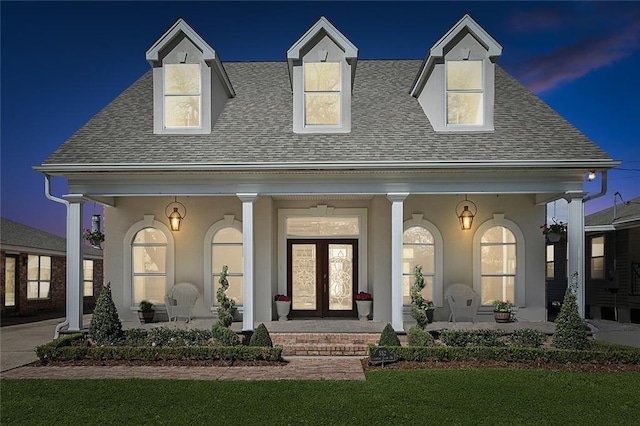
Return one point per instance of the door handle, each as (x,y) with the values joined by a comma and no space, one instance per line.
(324,282)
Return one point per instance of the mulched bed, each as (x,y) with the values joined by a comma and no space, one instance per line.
(457,365)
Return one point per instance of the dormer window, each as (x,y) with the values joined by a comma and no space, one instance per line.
(322,68)
(464,92)
(322,93)
(182,95)
(190,84)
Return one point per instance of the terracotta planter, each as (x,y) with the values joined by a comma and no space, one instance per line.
(283,309)
(502,316)
(364,309)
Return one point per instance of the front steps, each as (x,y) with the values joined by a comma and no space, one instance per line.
(325,344)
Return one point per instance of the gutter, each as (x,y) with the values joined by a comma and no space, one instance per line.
(603,188)
(371,165)
(47,193)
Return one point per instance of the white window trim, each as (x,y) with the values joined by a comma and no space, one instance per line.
(40,280)
(147,222)
(603,257)
(464,126)
(322,211)
(519,285)
(438,290)
(229,221)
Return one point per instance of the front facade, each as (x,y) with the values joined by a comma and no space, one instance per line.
(612,258)
(33,271)
(325,175)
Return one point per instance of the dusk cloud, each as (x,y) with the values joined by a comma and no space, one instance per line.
(568,63)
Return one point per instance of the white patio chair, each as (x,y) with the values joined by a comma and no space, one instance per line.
(180,301)
(463,302)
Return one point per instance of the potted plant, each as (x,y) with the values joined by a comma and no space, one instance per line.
(555,231)
(94,237)
(364,302)
(283,306)
(145,311)
(502,310)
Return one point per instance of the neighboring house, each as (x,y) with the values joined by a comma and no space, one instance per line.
(612,257)
(325,175)
(33,271)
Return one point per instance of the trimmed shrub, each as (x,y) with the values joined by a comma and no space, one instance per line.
(462,338)
(261,337)
(527,337)
(105,327)
(418,303)
(389,337)
(225,317)
(570,332)
(419,337)
(224,336)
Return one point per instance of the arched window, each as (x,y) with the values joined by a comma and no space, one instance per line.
(499,262)
(422,245)
(149,265)
(226,249)
(223,246)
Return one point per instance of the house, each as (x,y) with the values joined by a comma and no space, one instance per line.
(33,267)
(325,175)
(612,258)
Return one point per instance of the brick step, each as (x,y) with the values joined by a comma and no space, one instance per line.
(326,344)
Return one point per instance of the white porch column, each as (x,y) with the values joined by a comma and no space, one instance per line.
(397,218)
(248,285)
(575,244)
(74,263)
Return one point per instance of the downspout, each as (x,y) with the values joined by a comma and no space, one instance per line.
(603,188)
(47,193)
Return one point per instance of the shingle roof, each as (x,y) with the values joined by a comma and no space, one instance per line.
(625,212)
(16,234)
(387,125)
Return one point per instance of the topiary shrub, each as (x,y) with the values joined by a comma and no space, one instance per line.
(527,338)
(389,337)
(261,337)
(105,327)
(419,337)
(224,336)
(459,338)
(570,331)
(418,303)
(225,305)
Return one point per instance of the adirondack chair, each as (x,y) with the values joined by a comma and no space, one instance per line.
(463,302)
(180,301)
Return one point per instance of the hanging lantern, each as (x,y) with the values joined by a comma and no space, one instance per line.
(466,210)
(175,217)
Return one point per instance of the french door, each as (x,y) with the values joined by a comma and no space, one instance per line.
(322,277)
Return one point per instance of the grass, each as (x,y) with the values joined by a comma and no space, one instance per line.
(474,396)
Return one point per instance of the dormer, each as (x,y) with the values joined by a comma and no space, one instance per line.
(190,85)
(455,84)
(322,68)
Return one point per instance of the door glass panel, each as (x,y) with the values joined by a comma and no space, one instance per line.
(340,277)
(10,282)
(303,274)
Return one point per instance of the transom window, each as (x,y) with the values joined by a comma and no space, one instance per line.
(465,92)
(226,249)
(87,277)
(597,257)
(149,265)
(38,277)
(418,249)
(497,265)
(322,93)
(182,95)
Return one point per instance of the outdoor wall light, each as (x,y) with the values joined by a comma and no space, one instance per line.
(466,210)
(591,176)
(175,217)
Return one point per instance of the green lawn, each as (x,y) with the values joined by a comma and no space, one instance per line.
(483,396)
